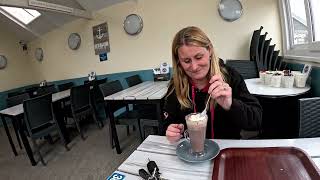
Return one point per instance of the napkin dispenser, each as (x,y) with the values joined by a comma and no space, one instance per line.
(43,83)
(162,73)
(92,76)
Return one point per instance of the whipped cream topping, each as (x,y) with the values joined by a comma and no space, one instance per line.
(197,117)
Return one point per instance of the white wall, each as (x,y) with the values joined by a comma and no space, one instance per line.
(162,19)
(19,71)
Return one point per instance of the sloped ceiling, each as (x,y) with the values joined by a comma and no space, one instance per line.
(52,20)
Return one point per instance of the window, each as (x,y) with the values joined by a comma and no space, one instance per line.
(301,28)
(23,15)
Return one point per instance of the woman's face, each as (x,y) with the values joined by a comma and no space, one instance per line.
(194,61)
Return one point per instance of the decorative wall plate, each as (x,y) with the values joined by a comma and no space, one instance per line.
(3,61)
(133,24)
(74,41)
(39,54)
(230,10)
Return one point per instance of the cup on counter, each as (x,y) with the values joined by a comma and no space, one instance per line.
(300,79)
(295,72)
(287,81)
(275,80)
(262,76)
(267,78)
(196,132)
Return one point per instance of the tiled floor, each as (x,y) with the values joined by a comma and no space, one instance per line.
(92,159)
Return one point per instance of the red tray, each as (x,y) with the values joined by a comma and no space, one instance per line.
(274,163)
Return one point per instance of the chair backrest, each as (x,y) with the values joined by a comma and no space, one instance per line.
(31,90)
(247,69)
(133,80)
(50,89)
(254,44)
(111,88)
(38,112)
(86,81)
(80,97)
(96,92)
(309,113)
(15,100)
(65,86)
(15,93)
(101,81)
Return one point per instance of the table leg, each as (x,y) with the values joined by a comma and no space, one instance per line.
(8,135)
(58,112)
(159,117)
(16,127)
(26,145)
(113,128)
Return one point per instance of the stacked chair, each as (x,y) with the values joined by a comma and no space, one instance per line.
(246,68)
(264,54)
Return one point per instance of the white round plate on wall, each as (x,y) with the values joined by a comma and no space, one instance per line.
(39,54)
(74,41)
(3,62)
(133,24)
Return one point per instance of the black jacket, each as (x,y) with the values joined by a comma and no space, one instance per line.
(245,112)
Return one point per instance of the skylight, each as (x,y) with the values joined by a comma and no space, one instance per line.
(23,15)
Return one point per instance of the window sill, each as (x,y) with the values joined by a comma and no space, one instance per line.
(315,61)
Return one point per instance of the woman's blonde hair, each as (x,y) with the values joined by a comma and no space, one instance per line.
(180,83)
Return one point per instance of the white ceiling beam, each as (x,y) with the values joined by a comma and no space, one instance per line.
(25,4)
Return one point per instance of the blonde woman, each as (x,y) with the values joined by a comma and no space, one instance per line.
(197,73)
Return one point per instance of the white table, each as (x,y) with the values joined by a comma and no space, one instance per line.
(157,148)
(18,109)
(256,87)
(280,107)
(15,111)
(148,92)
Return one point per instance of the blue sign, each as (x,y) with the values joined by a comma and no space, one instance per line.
(116,176)
(103,56)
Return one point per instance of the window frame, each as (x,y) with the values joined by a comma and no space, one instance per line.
(305,52)
(4,11)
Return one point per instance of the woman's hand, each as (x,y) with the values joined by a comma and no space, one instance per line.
(174,132)
(221,92)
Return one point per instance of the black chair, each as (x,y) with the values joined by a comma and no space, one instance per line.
(309,114)
(126,118)
(247,69)
(147,117)
(81,105)
(31,90)
(15,93)
(254,44)
(50,89)
(265,52)
(259,59)
(13,101)
(40,120)
(65,86)
(133,80)
(97,98)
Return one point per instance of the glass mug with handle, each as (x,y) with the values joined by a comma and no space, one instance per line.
(196,132)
